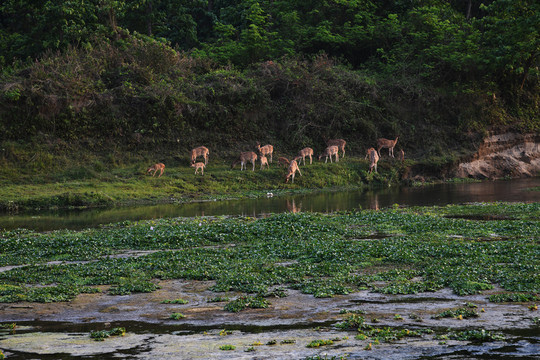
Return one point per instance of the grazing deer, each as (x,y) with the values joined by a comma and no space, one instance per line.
(265,150)
(200,151)
(373,159)
(401,156)
(155,169)
(385,143)
(329,152)
(293,168)
(244,158)
(306,152)
(264,161)
(197,166)
(340,143)
(283,161)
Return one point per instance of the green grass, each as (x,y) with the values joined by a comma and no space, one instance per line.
(128,184)
(420,250)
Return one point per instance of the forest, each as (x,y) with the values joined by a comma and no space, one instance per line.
(174,74)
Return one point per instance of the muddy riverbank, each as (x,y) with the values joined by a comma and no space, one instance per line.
(281,331)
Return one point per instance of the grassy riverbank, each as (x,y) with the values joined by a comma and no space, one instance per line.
(394,251)
(126,183)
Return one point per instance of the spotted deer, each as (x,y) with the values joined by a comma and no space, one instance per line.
(306,152)
(385,143)
(329,152)
(245,157)
(265,150)
(197,166)
(264,162)
(340,143)
(293,168)
(283,161)
(373,159)
(155,168)
(200,151)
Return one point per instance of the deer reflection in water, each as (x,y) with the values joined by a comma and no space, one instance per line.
(291,206)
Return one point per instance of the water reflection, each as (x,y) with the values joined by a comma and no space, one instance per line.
(511,190)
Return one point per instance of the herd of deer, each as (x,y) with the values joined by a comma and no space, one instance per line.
(333,148)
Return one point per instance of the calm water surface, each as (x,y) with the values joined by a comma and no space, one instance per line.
(441,194)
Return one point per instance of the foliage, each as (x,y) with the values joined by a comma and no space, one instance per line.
(175,301)
(245,302)
(227,347)
(464,313)
(319,343)
(101,335)
(177,316)
(476,335)
(513,297)
(318,254)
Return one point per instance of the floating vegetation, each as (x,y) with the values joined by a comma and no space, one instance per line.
(348,311)
(177,316)
(288,341)
(513,297)
(353,322)
(175,301)
(476,335)
(424,250)
(103,334)
(244,302)
(319,343)
(462,313)
(218,299)
(227,347)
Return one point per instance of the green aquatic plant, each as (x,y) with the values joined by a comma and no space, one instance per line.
(419,249)
(513,297)
(463,313)
(244,302)
(476,335)
(218,299)
(101,335)
(227,347)
(175,301)
(319,343)
(177,316)
(353,322)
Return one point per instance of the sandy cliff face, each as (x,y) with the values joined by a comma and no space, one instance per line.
(501,155)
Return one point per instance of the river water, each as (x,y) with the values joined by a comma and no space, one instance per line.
(326,201)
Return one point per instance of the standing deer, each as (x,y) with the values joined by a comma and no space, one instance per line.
(293,168)
(306,152)
(200,151)
(283,161)
(265,150)
(264,161)
(385,143)
(197,166)
(244,158)
(373,159)
(340,143)
(155,168)
(329,152)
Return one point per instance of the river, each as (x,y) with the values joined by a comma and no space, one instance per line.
(516,190)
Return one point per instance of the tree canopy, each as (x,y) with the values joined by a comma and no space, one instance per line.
(438,39)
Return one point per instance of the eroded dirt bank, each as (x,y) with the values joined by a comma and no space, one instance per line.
(281,331)
(503,155)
